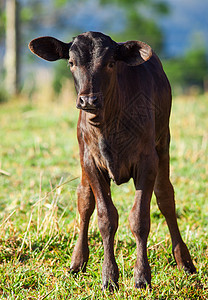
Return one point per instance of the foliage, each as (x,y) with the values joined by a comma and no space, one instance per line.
(3,95)
(39,220)
(196,67)
(187,71)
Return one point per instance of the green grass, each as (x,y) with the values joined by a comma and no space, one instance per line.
(39,223)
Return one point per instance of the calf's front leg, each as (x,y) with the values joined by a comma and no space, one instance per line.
(86,206)
(107,223)
(139,220)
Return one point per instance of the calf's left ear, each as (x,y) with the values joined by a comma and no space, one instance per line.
(50,48)
(133,53)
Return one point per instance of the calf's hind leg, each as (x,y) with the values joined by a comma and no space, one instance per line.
(164,192)
(86,206)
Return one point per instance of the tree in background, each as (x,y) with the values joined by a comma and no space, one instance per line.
(2,21)
(12,56)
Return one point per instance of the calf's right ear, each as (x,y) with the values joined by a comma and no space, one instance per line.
(50,48)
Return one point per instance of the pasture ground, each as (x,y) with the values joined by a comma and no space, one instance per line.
(39,223)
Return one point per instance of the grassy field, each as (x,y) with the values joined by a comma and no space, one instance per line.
(39,223)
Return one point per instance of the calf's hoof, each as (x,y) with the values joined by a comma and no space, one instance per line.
(142,284)
(110,286)
(142,277)
(183,258)
(110,276)
(76,268)
(79,259)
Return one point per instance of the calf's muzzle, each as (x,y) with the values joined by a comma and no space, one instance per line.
(88,102)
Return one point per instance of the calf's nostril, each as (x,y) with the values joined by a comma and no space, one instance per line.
(81,101)
(93,100)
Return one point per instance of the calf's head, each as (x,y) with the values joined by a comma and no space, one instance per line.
(93,58)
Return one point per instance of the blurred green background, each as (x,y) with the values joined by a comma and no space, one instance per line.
(176,30)
(39,156)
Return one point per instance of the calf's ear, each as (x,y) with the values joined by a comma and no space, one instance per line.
(50,48)
(133,53)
